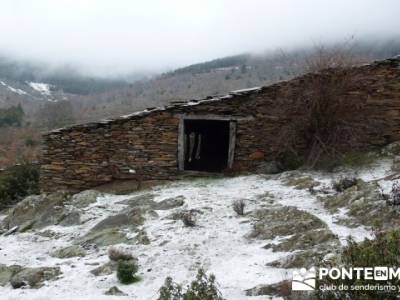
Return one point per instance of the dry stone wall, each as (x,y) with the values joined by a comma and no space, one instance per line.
(143,146)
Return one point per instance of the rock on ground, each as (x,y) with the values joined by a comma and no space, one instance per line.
(364,204)
(132,218)
(282,221)
(110,267)
(68,252)
(114,291)
(299,230)
(39,211)
(85,198)
(34,277)
(280,289)
(6,272)
(105,237)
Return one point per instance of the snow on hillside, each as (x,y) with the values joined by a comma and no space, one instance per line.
(42,88)
(220,242)
(17,91)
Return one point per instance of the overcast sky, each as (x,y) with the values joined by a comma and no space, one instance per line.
(127,35)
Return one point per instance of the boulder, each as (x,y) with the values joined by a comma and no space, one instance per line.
(282,290)
(170,203)
(299,259)
(110,267)
(319,238)
(278,289)
(49,234)
(282,221)
(69,218)
(106,269)
(105,237)
(39,211)
(114,291)
(85,198)
(142,200)
(131,218)
(68,252)
(34,277)
(6,272)
(365,205)
(146,202)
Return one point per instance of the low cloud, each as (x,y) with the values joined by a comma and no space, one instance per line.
(153,35)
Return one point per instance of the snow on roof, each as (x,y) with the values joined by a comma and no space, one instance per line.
(239,92)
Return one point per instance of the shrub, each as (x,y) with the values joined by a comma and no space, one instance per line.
(344,183)
(289,160)
(322,125)
(189,219)
(126,271)
(116,254)
(11,116)
(30,142)
(394,197)
(359,158)
(170,290)
(202,288)
(17,183)
(238,207)
(384,250)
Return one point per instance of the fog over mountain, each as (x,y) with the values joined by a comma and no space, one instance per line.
(118,37)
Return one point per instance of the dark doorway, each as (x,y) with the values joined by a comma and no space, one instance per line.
(206,145)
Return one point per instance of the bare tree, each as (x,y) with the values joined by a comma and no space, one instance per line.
(321,107)
(56,114)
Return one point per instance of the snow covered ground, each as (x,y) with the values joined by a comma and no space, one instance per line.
(218,242)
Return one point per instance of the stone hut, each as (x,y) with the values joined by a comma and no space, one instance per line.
(233,133)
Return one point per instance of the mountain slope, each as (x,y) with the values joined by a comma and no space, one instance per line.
(219,77)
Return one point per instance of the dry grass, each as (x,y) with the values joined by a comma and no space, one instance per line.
(117,254)
(394,197)
(189,219)
(238,206)
(19,145)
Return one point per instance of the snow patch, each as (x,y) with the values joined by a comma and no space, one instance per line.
(14,90)
(17,91)
(42,88)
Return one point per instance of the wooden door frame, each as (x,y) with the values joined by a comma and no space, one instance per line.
(232,135)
